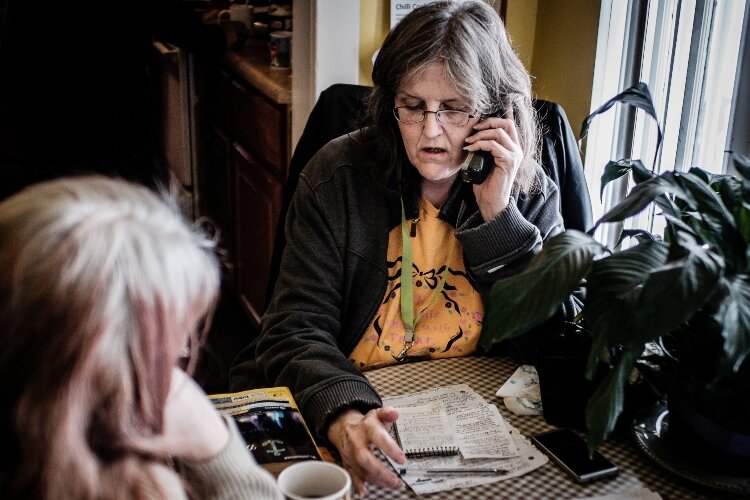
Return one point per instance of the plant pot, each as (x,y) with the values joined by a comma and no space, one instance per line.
(561,366)
(707,407)
(709,436)
(565,390)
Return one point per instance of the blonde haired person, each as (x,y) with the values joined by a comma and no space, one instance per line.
(103,286)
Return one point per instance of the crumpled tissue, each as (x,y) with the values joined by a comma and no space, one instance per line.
(521,393)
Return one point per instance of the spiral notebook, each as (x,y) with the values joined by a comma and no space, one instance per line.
(425,431)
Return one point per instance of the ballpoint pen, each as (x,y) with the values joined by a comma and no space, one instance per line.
(490,472)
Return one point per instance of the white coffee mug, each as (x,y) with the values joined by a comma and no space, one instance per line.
(315,479)
(241,13)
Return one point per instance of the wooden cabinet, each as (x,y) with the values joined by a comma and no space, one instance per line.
(217,189)
(258,195)
(243,164)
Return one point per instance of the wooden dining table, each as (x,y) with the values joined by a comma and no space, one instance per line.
(485,375)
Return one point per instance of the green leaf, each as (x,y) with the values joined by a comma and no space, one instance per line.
(606,403)
(743,221)
(640,172)
(641,235)
(705,197)
(678,225)
(709,205)
(672,213)
(639,96)
(640,197)
(614,170)
(733,315)
(742,165)
(729,190)
(520,302)
(613,287)
(687,282)
(700,173)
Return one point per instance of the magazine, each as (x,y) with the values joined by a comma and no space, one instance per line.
(271,424)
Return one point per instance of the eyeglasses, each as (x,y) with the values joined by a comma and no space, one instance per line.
(411,114)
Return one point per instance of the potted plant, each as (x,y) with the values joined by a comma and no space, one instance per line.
(687,291)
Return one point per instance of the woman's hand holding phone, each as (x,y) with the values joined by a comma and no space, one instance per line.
(498,137)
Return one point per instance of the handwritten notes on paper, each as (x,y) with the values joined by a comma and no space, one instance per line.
(484,438)
(425,430)
(482,433)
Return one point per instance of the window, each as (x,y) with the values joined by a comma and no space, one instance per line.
(690,53)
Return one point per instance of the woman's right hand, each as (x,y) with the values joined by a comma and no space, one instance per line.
(355,436)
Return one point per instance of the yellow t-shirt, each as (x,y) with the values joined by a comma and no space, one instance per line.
(448,323)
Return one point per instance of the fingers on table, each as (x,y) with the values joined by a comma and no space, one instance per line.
(362,439)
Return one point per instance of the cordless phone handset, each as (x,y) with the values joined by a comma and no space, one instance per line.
(478,165)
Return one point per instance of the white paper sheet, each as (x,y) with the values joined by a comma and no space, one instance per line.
(459,402)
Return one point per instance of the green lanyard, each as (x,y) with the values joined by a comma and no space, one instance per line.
(407,288)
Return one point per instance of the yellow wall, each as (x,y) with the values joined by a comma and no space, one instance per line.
(564,52)
(520,21)
(374,24)
(555,39)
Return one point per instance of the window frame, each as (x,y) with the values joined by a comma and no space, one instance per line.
(665,44)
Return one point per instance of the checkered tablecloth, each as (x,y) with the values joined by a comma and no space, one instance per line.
(485,376)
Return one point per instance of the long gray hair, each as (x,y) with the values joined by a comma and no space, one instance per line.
(468,39)
(102,285)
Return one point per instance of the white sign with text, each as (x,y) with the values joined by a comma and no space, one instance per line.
(400,9)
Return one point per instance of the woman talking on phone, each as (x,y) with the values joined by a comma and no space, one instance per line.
(388,202)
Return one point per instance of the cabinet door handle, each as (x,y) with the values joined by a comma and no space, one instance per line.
(243,152)
(167,53)
(238,86)
(164,48)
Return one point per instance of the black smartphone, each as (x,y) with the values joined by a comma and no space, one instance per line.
(477,166)
(569,450)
